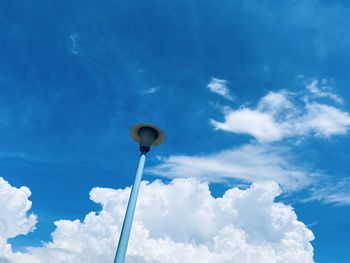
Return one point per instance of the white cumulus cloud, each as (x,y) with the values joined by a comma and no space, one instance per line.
(14,217)
(278,116)
(14,206)
(261,125)
(180,222)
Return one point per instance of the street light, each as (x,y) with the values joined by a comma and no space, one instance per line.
(146,135)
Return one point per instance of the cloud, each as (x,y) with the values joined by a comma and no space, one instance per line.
(258,124)
(277,117)
(15,205)
(331,191)
(14,218)
(181,222)
(323,91)
(151,90)
(219,86)
(74,45)
(323,120)
(250,163)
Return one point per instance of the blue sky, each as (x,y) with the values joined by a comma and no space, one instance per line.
(75,76)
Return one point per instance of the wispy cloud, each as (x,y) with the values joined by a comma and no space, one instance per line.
(73,45)
(219,86)
(322,90)
(251,163)
(331,191)
(151,90)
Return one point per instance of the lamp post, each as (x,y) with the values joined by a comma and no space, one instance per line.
(146,135)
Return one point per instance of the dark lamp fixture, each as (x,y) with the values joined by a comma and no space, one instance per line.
(147,135)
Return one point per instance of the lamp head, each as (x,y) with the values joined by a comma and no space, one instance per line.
(147,135)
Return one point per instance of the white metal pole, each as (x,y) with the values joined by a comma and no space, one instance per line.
(129,215)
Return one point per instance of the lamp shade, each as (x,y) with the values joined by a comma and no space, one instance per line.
(147,135)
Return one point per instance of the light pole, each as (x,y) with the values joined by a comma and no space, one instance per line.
(146,135)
